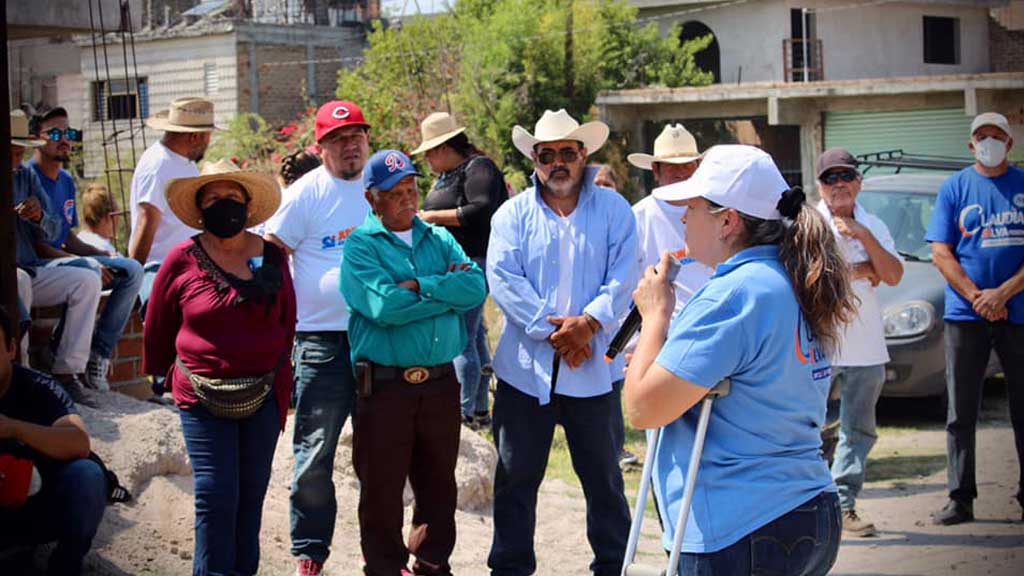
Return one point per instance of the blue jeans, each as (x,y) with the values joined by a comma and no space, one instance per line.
(128,280)
(859,388)
(476,355)
(523,430)
(231,464)
(148,277)
(802,542)
(325,395)
(67,511)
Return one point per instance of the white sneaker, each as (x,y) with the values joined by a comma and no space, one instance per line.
(96,371)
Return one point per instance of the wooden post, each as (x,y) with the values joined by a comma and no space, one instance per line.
(8,269)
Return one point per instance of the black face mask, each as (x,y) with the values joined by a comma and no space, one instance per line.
(225,217)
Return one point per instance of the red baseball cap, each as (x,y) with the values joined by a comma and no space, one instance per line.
(338,114)
(18,480)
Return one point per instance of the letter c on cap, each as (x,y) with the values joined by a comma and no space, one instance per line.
(340,112)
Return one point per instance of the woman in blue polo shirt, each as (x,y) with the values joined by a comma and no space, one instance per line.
(764,501)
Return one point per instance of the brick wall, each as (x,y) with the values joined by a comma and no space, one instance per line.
(1006,48)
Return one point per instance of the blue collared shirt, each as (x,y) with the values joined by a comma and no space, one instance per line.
(523,275)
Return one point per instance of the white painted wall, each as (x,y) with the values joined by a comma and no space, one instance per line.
(174,69)
(879,41)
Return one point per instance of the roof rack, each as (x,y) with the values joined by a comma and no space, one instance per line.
(898,159)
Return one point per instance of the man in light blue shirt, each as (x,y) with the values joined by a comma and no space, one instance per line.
(561,265)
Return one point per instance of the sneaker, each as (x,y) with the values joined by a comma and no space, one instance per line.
(96,373)
(73,387)
(470,422)
(482,419)
(308,568)
(627,458)
(853,525)
(954,513)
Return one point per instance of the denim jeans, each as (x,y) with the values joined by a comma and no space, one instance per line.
(968,346)
(802,542)
(128,279)
(148,277)
(231,464)
(859,388)
(67,511)
(523,430)
(476,355)
(325,395)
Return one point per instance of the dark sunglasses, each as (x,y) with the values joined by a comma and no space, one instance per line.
(845,175)
(72,134)
(567,155)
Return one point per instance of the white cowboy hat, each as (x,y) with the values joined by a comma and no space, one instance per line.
(19,132)
(437,129)
(264,193)
(185,115)
(675,145)
(555,126)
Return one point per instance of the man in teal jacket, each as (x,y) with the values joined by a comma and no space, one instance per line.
(407,285)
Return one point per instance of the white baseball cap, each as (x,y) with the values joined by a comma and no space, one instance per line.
(735,176)
(990,119)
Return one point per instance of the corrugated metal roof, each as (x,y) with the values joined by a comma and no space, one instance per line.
(209,8)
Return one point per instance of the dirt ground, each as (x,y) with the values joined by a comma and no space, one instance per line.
(906,483)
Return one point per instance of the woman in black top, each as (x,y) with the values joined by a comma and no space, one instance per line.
(469,188)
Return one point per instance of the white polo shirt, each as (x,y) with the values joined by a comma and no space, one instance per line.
(317,214)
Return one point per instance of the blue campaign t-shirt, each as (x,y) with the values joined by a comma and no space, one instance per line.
(982,218)
(62,199)
(762,453)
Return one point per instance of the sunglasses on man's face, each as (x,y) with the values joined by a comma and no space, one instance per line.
(832,177)
(71,134)
(567,155)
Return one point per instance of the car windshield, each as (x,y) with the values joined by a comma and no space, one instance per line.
(906,214)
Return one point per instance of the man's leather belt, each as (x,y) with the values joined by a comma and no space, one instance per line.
(412,374)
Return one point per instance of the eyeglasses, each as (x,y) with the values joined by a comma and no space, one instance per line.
(567,155)
(832,177)
(72,134)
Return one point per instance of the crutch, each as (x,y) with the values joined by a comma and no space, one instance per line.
(629,568)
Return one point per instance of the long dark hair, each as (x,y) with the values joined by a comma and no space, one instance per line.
(462,146)
(813,262)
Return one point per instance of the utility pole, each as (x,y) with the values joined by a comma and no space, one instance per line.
(570,76)
(8,268)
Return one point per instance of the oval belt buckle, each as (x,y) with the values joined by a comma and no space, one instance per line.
(416,375)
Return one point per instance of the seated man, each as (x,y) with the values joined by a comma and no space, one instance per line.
(38,424)
(123,276)
(407,284)
(76,288)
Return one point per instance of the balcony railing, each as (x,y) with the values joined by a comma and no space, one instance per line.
(794,55)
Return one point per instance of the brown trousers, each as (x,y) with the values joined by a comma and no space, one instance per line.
(404,430)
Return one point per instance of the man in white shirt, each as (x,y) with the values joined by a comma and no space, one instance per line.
(187,126)
(317,214)
(659,223)
(859,368)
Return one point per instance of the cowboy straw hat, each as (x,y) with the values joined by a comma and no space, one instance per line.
(555,126)
(437,129)
(185,115)
(675,145)
(19,132)
(264,193)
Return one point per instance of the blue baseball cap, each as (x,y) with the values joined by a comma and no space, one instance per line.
(387,168)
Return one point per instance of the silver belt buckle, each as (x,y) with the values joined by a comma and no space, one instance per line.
(416,375)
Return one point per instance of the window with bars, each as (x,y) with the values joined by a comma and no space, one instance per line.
(120,99)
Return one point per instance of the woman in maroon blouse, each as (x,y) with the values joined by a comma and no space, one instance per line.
(220,325)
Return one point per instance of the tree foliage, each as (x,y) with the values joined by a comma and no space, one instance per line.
(498,63)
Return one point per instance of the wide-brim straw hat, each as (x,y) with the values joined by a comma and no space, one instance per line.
(675,145)
(437,129)
(19,132)
(555,126)
(185,115)
(264,193)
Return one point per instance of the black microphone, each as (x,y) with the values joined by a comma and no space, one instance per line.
(632,322)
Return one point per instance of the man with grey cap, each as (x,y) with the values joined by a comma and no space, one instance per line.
(187,126)
(561,264)
(977,238)
(659,223)
(858,366)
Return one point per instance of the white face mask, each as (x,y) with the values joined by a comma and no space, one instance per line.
(990,152)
